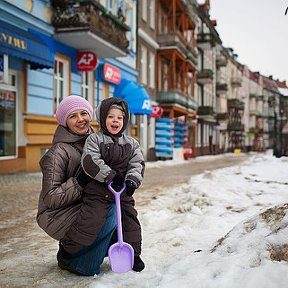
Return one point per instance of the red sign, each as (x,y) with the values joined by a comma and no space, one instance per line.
(112,74)
(157,112)
(86,61)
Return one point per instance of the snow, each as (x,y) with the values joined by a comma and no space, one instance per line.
(181,229)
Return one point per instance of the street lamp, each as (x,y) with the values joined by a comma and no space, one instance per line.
(281,134)
(278,127)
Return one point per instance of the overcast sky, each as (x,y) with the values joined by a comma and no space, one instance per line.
(257,30)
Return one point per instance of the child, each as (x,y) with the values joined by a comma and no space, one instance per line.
(111,156)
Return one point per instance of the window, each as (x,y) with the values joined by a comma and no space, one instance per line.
(151,70)
(111,5)
(87,85)
(129,12)
(144,65)
(144,10)
(61,80)
(152,14)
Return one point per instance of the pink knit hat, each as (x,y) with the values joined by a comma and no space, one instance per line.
(70,104)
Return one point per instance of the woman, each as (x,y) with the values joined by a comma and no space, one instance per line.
(63,184)
(110,156)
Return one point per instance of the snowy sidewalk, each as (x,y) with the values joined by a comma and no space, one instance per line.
(182,219)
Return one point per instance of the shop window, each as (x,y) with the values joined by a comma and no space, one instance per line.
(61,80)
(8,126)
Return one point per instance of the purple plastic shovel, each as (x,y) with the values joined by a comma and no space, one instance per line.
(121,254)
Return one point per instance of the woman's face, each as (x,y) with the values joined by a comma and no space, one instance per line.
(78,122)
(114,121)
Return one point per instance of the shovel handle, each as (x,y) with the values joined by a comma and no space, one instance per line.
(114,191)
(118,210)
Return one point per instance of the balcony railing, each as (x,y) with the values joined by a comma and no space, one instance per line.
(75,19)
(221,61)
(176,97)
(221,87)
(205,110)
(236,81)
(175,40)
(221,116)
(235,103)
(205,76)
(205,41)
(235,127)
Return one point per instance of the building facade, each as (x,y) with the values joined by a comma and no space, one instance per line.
(185,90)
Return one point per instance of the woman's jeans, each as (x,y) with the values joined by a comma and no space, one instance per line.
(88,260)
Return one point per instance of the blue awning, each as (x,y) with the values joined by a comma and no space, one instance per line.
(22,44)
(135,95)
(56,46)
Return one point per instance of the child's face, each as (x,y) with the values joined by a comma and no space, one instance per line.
(114,121)
(78,122)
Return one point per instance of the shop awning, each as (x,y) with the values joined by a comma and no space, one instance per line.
(135,95)
(22,44)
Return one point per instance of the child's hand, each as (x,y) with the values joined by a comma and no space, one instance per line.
(118,182)
(130,187)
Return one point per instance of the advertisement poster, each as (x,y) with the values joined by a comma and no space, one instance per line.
(3,68)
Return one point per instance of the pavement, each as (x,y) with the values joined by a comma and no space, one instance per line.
(19,178)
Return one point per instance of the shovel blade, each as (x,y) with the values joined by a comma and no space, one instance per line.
(121,257)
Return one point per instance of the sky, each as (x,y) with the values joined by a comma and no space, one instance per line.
(182,227)
(257,30)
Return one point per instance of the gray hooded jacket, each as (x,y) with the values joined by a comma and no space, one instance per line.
(105,154)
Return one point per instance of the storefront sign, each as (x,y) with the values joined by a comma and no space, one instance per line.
(86,61)
(11,40)
(157,112)
(112,74)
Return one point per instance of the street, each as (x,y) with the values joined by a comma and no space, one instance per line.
(28,254)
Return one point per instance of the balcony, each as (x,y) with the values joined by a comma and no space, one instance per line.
(175,40)
(235,127)
(205,110)
(221,116)
(176,98)
(221,61)
(252,130)
(86,25)
(192,55)
(205,76)
(235,104)
(252,112)
(205,41)
(236,82)
(252,95)
(221,87)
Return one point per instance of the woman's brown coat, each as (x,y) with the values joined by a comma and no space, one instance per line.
(60,197)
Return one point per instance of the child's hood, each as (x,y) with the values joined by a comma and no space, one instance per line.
(102,111)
